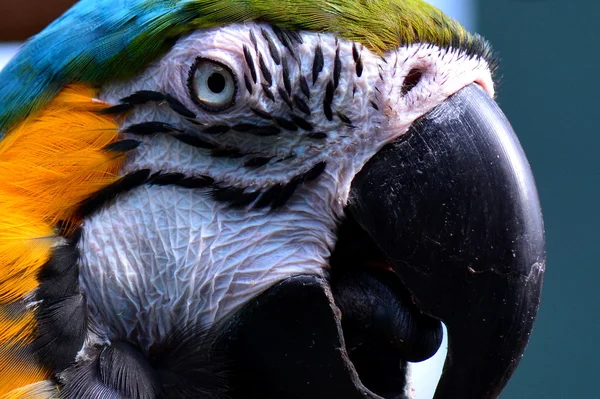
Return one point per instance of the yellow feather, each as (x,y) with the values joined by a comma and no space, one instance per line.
(49,164)
(39,390)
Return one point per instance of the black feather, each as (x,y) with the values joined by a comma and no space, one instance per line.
(178,107)
(122,146)
(143,96)
(117,109)
(304,87)
(318,63)
(124,369)
(302,123)
(313,173)
(286,124)
(59,277)
(217,129)
(264,131)
(257,162)
(286,77)
(268,196)
(264,70)
(118,371)
(61,330)
(188,367)
(244,127)
(234,196)
(248,84)
(250,63)
(194,141)
(337,68)
(227,152)
(268,92)
(318,135)
(285,97)
(272,48)
(104,196)
(301,104)
(344,118)
(148,128)
(261,113)
(357,61)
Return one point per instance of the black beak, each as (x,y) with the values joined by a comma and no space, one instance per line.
(454,208)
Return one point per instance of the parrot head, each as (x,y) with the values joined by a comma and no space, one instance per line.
(239,199)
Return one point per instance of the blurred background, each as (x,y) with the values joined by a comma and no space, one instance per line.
(549,89)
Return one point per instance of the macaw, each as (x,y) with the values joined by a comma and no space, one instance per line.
(260,199)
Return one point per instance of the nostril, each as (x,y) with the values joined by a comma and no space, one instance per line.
(412,79)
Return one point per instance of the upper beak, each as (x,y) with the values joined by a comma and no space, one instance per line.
(454,208)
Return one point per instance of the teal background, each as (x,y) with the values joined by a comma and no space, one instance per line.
(550,90)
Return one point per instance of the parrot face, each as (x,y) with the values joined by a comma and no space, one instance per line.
(275,213)
(287,130)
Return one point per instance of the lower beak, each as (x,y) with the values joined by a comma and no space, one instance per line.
(454,208)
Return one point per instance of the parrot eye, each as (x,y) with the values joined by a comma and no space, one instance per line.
(212,85)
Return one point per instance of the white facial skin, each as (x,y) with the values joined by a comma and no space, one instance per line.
(165,257)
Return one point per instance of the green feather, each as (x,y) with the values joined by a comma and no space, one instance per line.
(101,40)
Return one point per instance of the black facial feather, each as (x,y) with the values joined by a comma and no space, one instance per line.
(301,105)
(289,39)
(179,179)
(304,86)
(109,193)
(253,39)
(329,90)
(318,63)
(285,97)
(264,131)
(264,70)
(244,127)
(248,84)
(257,162)
(286,124)
(217,129)
(357,61)
(272,47)
(344,118)
(337,68)
(268,196)
(122,146)
(149,128)
(302,123)
(117,109)
(261,113)
(178,107)
(227,152)
(143,97)
(236,197)
(250,63)
(194,141)
(286,77)
(268,92)
(318,135)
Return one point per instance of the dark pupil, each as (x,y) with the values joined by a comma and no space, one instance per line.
(216,83)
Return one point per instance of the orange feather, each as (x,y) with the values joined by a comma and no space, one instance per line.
(49,164)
